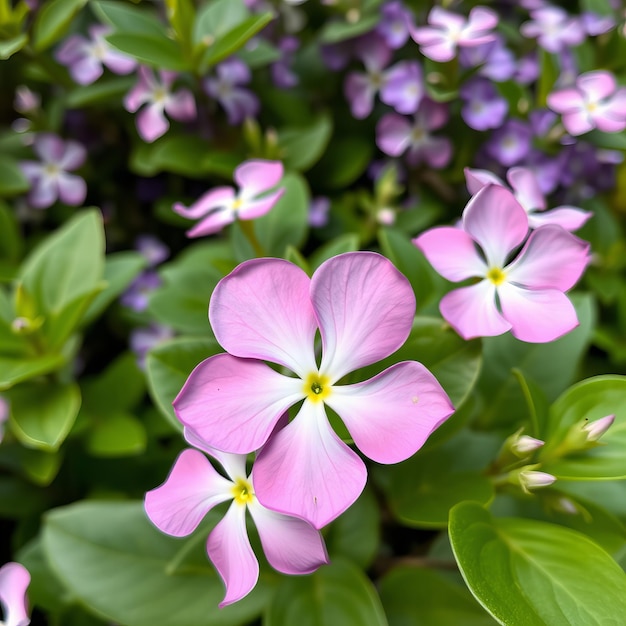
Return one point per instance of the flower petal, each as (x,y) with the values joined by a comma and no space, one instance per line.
(230,551)
(233,464)
(472,311)
(215,198)
(255,177)
(262,310)
(393,134)
(526,188)
(43,193)
(181,106)
(537,316)
(256,208)
(212,223)
(451,251)
(365,310)
(233,404)
(568,217)
(49,147)
(476,179)
(596,85)
(497,221)
(14,580)
(72,189)
(307,471)
(391,415)
(152,123)
(551,259)
(291,545)
(191,490)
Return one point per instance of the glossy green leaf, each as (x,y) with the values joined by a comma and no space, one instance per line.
(10,237)
(349,242)
(344,162)
(339,30)
(530,573)
(8,47)
(52,21)
(215,19)
(302,147)
(112,559)
(338,593)
(116,434)
(152,49)
(126,18)
(168,366)
(16,370)
(109,90)
(413,596)
(590,400)
(12,180)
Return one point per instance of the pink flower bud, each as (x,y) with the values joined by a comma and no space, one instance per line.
(525,445)
(531,479)
(594,430)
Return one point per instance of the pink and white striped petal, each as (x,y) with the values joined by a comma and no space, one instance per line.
(191,490)
(526,188)
(452,252)
(566,100)
(393,134)
(391,415)
(212,223)
(152,123)
(472,311)
(568,217)
(234,464)
(230,551)
(14,581)
(262,310)
(364,307)
(596,85)
(305,470)
(181,106)
(255,177)
(217,197)
(537,316)
(49,147)
(291,545)
(72,189)
(233,404)
(551,259)
(497,221)
(476,179)
(257,208)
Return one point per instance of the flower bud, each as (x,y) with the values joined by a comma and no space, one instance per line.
(532,479)
(594,430)
(524,445)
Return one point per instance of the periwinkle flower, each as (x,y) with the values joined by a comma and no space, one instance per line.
(194,487)
(493,60)
(282,74)
(50,178)
(524,294)
(553,28)
(483,107)
(270,310)
(85,58)
(395,24)
(142,340)
(510,143)
(152,249)
(157,96)
(14,581)
(318,211)
(137,295)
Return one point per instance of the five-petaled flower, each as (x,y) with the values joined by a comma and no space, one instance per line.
(270,310)
(222,205)
(525,294)
(194,487)
(14,580)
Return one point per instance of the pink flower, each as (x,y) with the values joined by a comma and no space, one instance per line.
(194,487)
(14,580)
(156,94)
(525,295)
(554,29)
(528,193)
(594,102)
(270,310)
(222,205)
(49,178)
(448,31)
(85,57)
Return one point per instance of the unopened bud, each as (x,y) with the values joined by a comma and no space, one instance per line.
(524,445)
(594,430)
(386,216)
(531,479)
(26,326)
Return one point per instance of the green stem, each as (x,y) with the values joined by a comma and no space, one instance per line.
(247,228)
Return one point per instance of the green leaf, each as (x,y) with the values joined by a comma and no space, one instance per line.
(52,21)
(10,238)
(600,7)
(336,31)
(15,370)
(348,242)
(168,366)
(9,47)
(259,53)
(156,50)
(338,593)
(530,573)
(43,414)
(113,560)
(215,19)
(286,224)
(302,147)
(413,596)
(126,18)
(20,499)
(344,162)
(12,181)
(590,400)
(107,90)
(115,435)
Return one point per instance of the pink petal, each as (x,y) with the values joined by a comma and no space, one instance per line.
(43,193)
(233,464)
(451,251)
(393,134)
(365,310)
(291,545)
(577,123)
(566,100)
(72,50)
(526,188)
(213,199)
(497,221)
(360,94)
(569,218)
(230,551)
(152,123)
(391,415)
(72,189)
(475,179)
(181,106)
(596,85)
(49,147)
(32,170)
(74,156)
(307,471)
(537,316)
(86,70)
(142,91)
(233,404)
(480,21)
(262,310)
(551,259)
(257,208)
(119,63)
(191,490)
(472,311)
(213,223)
(445,19)
(255,177)
(14,580)
(441,51)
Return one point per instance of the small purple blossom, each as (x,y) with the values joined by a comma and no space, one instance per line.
(227,88)
(158,98)
(138,292)
(493,60)
(483,107)
(318,211)
(595,24)
(403,88)
(26,101)
(553,28)
(282,74)
(152,249)
(510,143)
(395,24)
(142,340)
(49,177)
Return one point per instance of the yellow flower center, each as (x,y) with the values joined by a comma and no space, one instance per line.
(317,387)
(237,204)
(496,276)
(242,491)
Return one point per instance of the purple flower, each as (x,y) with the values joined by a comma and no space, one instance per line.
(510,143)
(85,57)
(14,580)
(594,102)
(282,74)
(493,60)
(553,28)
(26,101)
(152,249)
(595,24)
(483,106)
(396,135)
(156,94)
(49,177)
(226,88)
(395,24)
(403,87)
(138,292)
(142,340)
(318,211)
(449,31)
